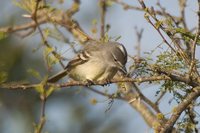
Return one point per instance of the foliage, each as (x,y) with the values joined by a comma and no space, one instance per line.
(174,67)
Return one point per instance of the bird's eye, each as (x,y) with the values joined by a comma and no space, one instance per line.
(115,59)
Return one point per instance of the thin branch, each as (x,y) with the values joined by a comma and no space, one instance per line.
(43,95)
(145,99)
(167,127)
(158,26)
(139,80)
(139,37)
(104,94)
(143,109)
(40,126)
(178,77)
(26,26)
(103,15)
(81,83)
(160,97)
(168,75)
(166,14)
(131,7)
(57,17)
(193,62)
(191,113)
(34,16)
(182,5)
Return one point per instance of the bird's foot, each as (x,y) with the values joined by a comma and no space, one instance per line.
(107,82)
(89,82)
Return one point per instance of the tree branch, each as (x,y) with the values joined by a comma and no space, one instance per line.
(179,109)
(103,16)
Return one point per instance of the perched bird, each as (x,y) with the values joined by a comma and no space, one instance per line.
(97,61)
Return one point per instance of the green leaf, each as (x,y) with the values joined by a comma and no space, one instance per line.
(158,24)
(34,73)
(146,16)
(50,59)
(50,90)
(118,38)
(3,76)
(40,88)
(187,35)
(94,22)
(27,5)
(109,3)
(3,35)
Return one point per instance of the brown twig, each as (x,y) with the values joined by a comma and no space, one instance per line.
(193,62)
(143,109)
(191,113)
(104,94)
(144,98)
(167,127)
(81,83)
(130,7)
(157,28)
(103,16)
(42,116)
(139,37)
(57,17)
(160,97)
(182,5)
(175,76)
(166,14)
(179,51)
(34,16)
(43,95)
(168,75)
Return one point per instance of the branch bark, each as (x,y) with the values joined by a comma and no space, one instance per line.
(179,109)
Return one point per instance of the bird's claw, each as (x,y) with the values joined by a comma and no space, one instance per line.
(89,82)
(107,82)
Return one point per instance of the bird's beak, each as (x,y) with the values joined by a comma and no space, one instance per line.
(123,69)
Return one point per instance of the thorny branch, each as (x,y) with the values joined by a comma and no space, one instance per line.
(103,16)
(157,26)
(43,95)
(167,127)
(136,100)
(79,83)
(193,50)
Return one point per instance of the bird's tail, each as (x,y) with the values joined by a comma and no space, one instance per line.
(57,76)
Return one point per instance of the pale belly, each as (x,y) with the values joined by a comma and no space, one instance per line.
(94,71)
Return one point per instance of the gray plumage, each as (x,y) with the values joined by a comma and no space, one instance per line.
(97,61)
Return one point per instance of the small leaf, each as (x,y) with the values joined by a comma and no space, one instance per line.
(94,21)
(146,16)
(93,101)
(109,3)
(158,24)
(40,88)
(3,35)
(94,30)
(50,90)
(48,50)
(118,38)
(3,76)
(106,37)
(34,73)
(160,116)
(174,109)
(75,6)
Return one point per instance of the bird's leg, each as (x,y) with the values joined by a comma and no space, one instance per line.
(89,82)
(107,82)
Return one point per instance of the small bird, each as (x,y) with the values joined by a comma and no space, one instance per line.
(98,61)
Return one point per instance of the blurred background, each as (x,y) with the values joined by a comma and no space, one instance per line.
(71,110)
